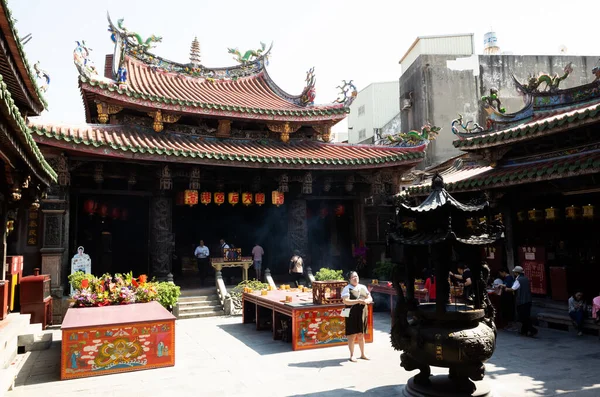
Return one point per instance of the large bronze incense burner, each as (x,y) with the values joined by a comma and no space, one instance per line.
(458,336)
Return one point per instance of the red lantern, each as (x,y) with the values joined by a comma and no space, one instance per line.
(115,214)
(205,198)
(259,199)
(179,198)
(247,198)
(234,198)
(190,197)
(219,198)
(277,198)
(324,212)
(339,210)
(103,210)
(89,206)
(124,214)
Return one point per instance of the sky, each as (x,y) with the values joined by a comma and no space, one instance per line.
(361,41)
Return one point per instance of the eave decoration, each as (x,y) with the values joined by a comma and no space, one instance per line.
(248,56)
(545,81)
(42,75)
(285,129)
(412,138)
(461,129)
(493,101)
(160,118)
(309,93)
(106,110)
(348,93)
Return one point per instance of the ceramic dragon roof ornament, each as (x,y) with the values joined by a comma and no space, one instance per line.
(413,138)
(82,60)
(347,93)
(547,82)
(42,74)
(309,93)
(250,55)
(492,100)
(462,129)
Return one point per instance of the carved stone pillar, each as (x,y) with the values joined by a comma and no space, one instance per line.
(162,237)
(297,227)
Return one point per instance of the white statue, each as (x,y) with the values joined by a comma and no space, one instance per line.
(81,263)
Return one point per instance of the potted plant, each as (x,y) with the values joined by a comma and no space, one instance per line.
(327,287)
(383,270)
(168,294)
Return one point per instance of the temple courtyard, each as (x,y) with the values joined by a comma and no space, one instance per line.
(219,356)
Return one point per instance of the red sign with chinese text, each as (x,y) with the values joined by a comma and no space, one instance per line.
(205,198)
(234,198)
(247,198)
(190,197)
(219,198)
(259,198)
(533,260)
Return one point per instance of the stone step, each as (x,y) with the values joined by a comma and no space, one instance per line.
(7,379)
(203,309)
(34,339)
(212,313)
(198,303)
(185,299)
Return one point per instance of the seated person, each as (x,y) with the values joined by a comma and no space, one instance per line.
(577,310)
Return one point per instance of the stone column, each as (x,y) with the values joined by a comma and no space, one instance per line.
(55,237)
(298,229)
(162,237)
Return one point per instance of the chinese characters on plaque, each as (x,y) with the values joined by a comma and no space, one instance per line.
(33,223)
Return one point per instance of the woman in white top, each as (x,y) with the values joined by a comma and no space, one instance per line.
(356,296)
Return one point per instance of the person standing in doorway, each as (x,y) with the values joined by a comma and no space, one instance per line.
(257,254)
(224,246)
(202,253)
(296,267)
(521,286)
(226,272)
(464,276)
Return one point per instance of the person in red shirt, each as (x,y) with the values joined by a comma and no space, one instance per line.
(430,287)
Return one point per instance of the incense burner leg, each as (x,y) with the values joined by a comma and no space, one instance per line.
(410,364)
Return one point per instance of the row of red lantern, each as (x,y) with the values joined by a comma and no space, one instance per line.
(552,213)
(92,207)
(192,197)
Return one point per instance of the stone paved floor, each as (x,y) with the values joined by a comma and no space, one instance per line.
(222,357)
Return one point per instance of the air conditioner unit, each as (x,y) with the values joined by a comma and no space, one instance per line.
(406,104)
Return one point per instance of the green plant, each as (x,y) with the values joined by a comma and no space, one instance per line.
(236,292)
(326,274)
(167,293)
(76,278)
(383,270)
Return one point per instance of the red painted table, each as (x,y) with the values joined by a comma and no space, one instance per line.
(421,295)
(113,339)
(312,326)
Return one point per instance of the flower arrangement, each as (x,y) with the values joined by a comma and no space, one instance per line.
(120,289)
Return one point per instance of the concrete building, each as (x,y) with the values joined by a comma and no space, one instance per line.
(374,107)
(442,77)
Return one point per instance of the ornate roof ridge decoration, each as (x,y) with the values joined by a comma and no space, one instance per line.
(470,128)
(141,143)
(11,34)
(42,74)
(27,147)
(412,138)
(550,84)
(439,197)
(347,94)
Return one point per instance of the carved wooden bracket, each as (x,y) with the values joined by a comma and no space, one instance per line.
(160,118)
(284,129)
(324,131)
(494,155)
(224,129)
(105,110)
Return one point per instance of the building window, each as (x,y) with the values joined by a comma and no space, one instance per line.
(362,134)
(361,110)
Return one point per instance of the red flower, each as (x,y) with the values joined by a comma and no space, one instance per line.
(143,278)
(135,283)
(85,283)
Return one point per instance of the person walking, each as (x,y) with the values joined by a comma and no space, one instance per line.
(296,268)
(522,287)
(257,254)
(356,297)
(202,253)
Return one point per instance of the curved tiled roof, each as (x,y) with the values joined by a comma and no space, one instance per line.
(254,96)
(140,143)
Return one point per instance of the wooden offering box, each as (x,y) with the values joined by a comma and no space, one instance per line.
(328,292)
(113,339)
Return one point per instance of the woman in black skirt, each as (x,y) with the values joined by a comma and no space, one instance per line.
(356,297)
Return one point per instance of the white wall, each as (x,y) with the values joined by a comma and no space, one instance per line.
(460,44)
(373,107)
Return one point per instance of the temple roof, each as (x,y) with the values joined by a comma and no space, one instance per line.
(464,176)
(142,143)
(15,68)
(137,78)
